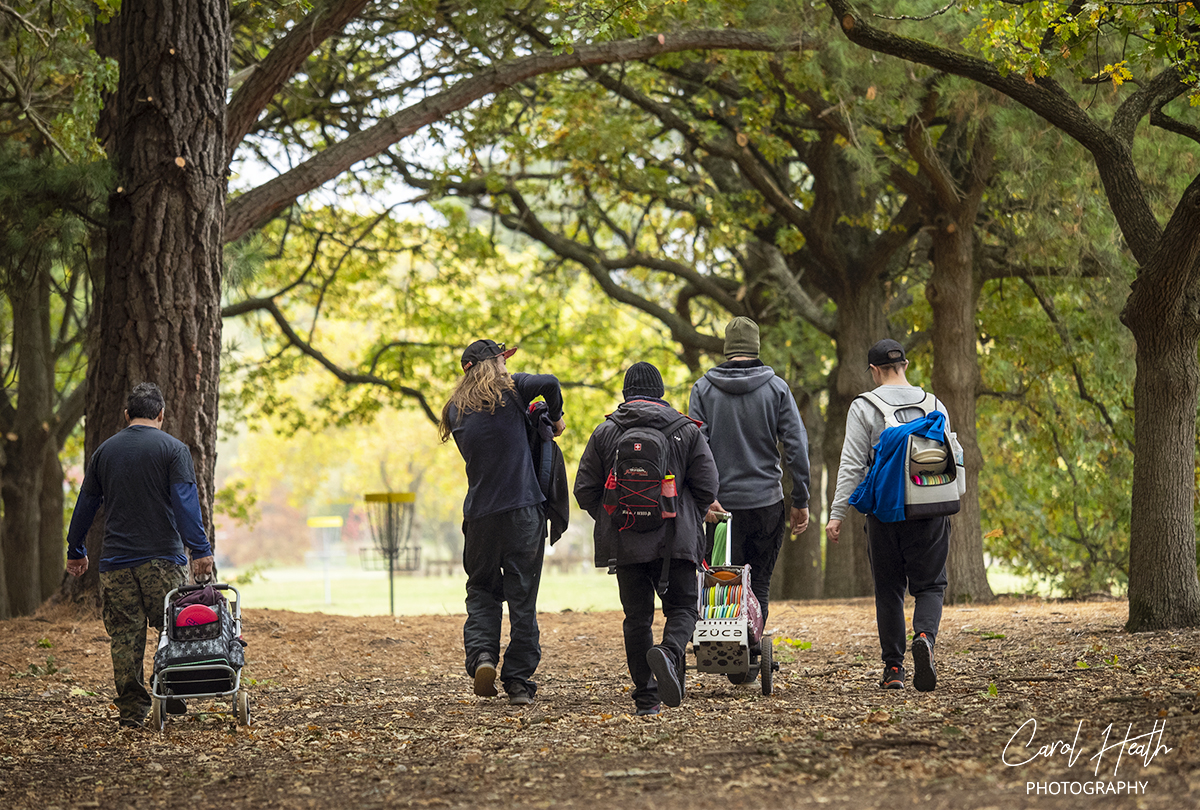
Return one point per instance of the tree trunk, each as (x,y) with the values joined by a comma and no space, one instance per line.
(31,437)
(1162,315)
(861,322)
(52,543)
(798,574)
(951,293)
(158,308)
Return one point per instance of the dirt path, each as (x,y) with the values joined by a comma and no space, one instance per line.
(376,712)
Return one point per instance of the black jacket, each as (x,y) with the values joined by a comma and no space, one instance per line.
(696,480)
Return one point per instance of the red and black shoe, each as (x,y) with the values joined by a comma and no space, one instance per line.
(893,678)
(924,674)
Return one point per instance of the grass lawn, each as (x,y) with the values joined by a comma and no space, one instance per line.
(353,592)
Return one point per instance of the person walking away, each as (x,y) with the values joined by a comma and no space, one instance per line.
(504,520)
(747,412)
(145,480)
(904,554)
(662,559)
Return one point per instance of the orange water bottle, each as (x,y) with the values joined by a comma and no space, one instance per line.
(668,496)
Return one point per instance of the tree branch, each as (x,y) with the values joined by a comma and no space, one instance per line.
(255,207)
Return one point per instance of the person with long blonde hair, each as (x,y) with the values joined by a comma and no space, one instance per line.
(504,518)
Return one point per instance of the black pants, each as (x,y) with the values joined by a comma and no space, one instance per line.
(638,584)
(910,554)
(757,538)
(502,555)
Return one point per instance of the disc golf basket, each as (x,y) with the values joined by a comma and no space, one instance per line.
(391,517)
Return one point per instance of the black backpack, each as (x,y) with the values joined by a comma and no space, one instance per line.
(634,492)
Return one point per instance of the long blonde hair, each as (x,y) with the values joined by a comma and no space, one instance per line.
(481,388)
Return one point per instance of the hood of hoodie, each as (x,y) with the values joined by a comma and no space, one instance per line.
(739,380)
(643,412)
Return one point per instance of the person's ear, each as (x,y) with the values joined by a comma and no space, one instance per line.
(162,414)
(127,419)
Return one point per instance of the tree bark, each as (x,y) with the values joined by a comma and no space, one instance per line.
(52,540)
(799,573)
(861,322)
(30,440)
(1163,312)
(159,306)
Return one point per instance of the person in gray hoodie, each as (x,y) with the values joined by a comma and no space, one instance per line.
(657,669)
(746,412)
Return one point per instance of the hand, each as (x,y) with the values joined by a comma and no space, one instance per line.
(560,426)
(202,568)
(77,568)
(715,513)
(799,521)
(832,529)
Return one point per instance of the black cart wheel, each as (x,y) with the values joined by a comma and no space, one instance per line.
(243,707)
(158,717)
(766,667)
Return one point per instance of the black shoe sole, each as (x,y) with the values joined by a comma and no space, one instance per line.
(670,691)
(924,675)
(485,680)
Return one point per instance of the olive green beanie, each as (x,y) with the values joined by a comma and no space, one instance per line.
(741,338)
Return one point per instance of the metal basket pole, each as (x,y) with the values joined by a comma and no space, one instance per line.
(390,515)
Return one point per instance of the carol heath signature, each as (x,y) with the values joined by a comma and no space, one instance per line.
(1020,748)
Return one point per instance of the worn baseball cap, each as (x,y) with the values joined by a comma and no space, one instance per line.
(484,350)
(886,352)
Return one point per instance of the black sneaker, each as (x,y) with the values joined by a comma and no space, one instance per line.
(519,695)
(174,705)
(662,664)
(130,722)
(893,678)
(485,677)
(649,711)
(924,674)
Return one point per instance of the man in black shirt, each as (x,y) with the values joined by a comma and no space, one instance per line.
(504,523)
(144,479)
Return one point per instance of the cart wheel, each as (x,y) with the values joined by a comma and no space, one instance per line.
(741,677)
(158,717)
(766,667)
(243,707)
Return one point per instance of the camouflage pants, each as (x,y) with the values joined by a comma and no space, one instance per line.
(133,598)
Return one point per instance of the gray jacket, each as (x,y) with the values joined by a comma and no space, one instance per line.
(864,424)
(747,411)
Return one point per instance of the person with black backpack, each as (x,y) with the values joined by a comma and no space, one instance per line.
(907,542)
(647,478)
(504,513)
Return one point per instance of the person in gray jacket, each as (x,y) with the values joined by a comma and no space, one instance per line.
(908,554)
(657,670)
(746,412)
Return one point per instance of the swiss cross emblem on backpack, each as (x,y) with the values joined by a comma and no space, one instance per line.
(633,493)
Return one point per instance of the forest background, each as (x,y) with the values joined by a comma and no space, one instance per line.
(600,184)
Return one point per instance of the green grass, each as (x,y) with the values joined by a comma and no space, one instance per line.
(353,592)
(365,593)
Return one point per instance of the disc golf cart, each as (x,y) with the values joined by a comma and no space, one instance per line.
(730,620)
(200,651)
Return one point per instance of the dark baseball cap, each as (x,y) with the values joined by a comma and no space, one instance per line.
(886,352)
(484,350)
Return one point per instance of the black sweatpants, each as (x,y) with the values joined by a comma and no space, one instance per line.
(757,538)
(910,554)
(638,584)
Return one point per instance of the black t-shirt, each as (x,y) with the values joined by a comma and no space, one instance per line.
(134,472)
(495,447)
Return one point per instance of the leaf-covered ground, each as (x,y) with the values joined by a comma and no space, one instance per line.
(376,712)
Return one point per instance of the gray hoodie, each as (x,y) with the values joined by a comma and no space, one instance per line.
(747,411)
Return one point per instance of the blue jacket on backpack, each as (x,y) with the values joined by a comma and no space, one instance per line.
(881,493)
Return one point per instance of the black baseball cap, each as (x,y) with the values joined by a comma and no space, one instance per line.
(484,350)
(885,352)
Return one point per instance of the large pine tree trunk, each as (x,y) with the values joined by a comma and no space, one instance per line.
(955,379)
(861,322)
(798,574)
(158,308)
(23,473)
(51,543)
(1162,315)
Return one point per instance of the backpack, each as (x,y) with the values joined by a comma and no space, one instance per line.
(934,477)
(640,490)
